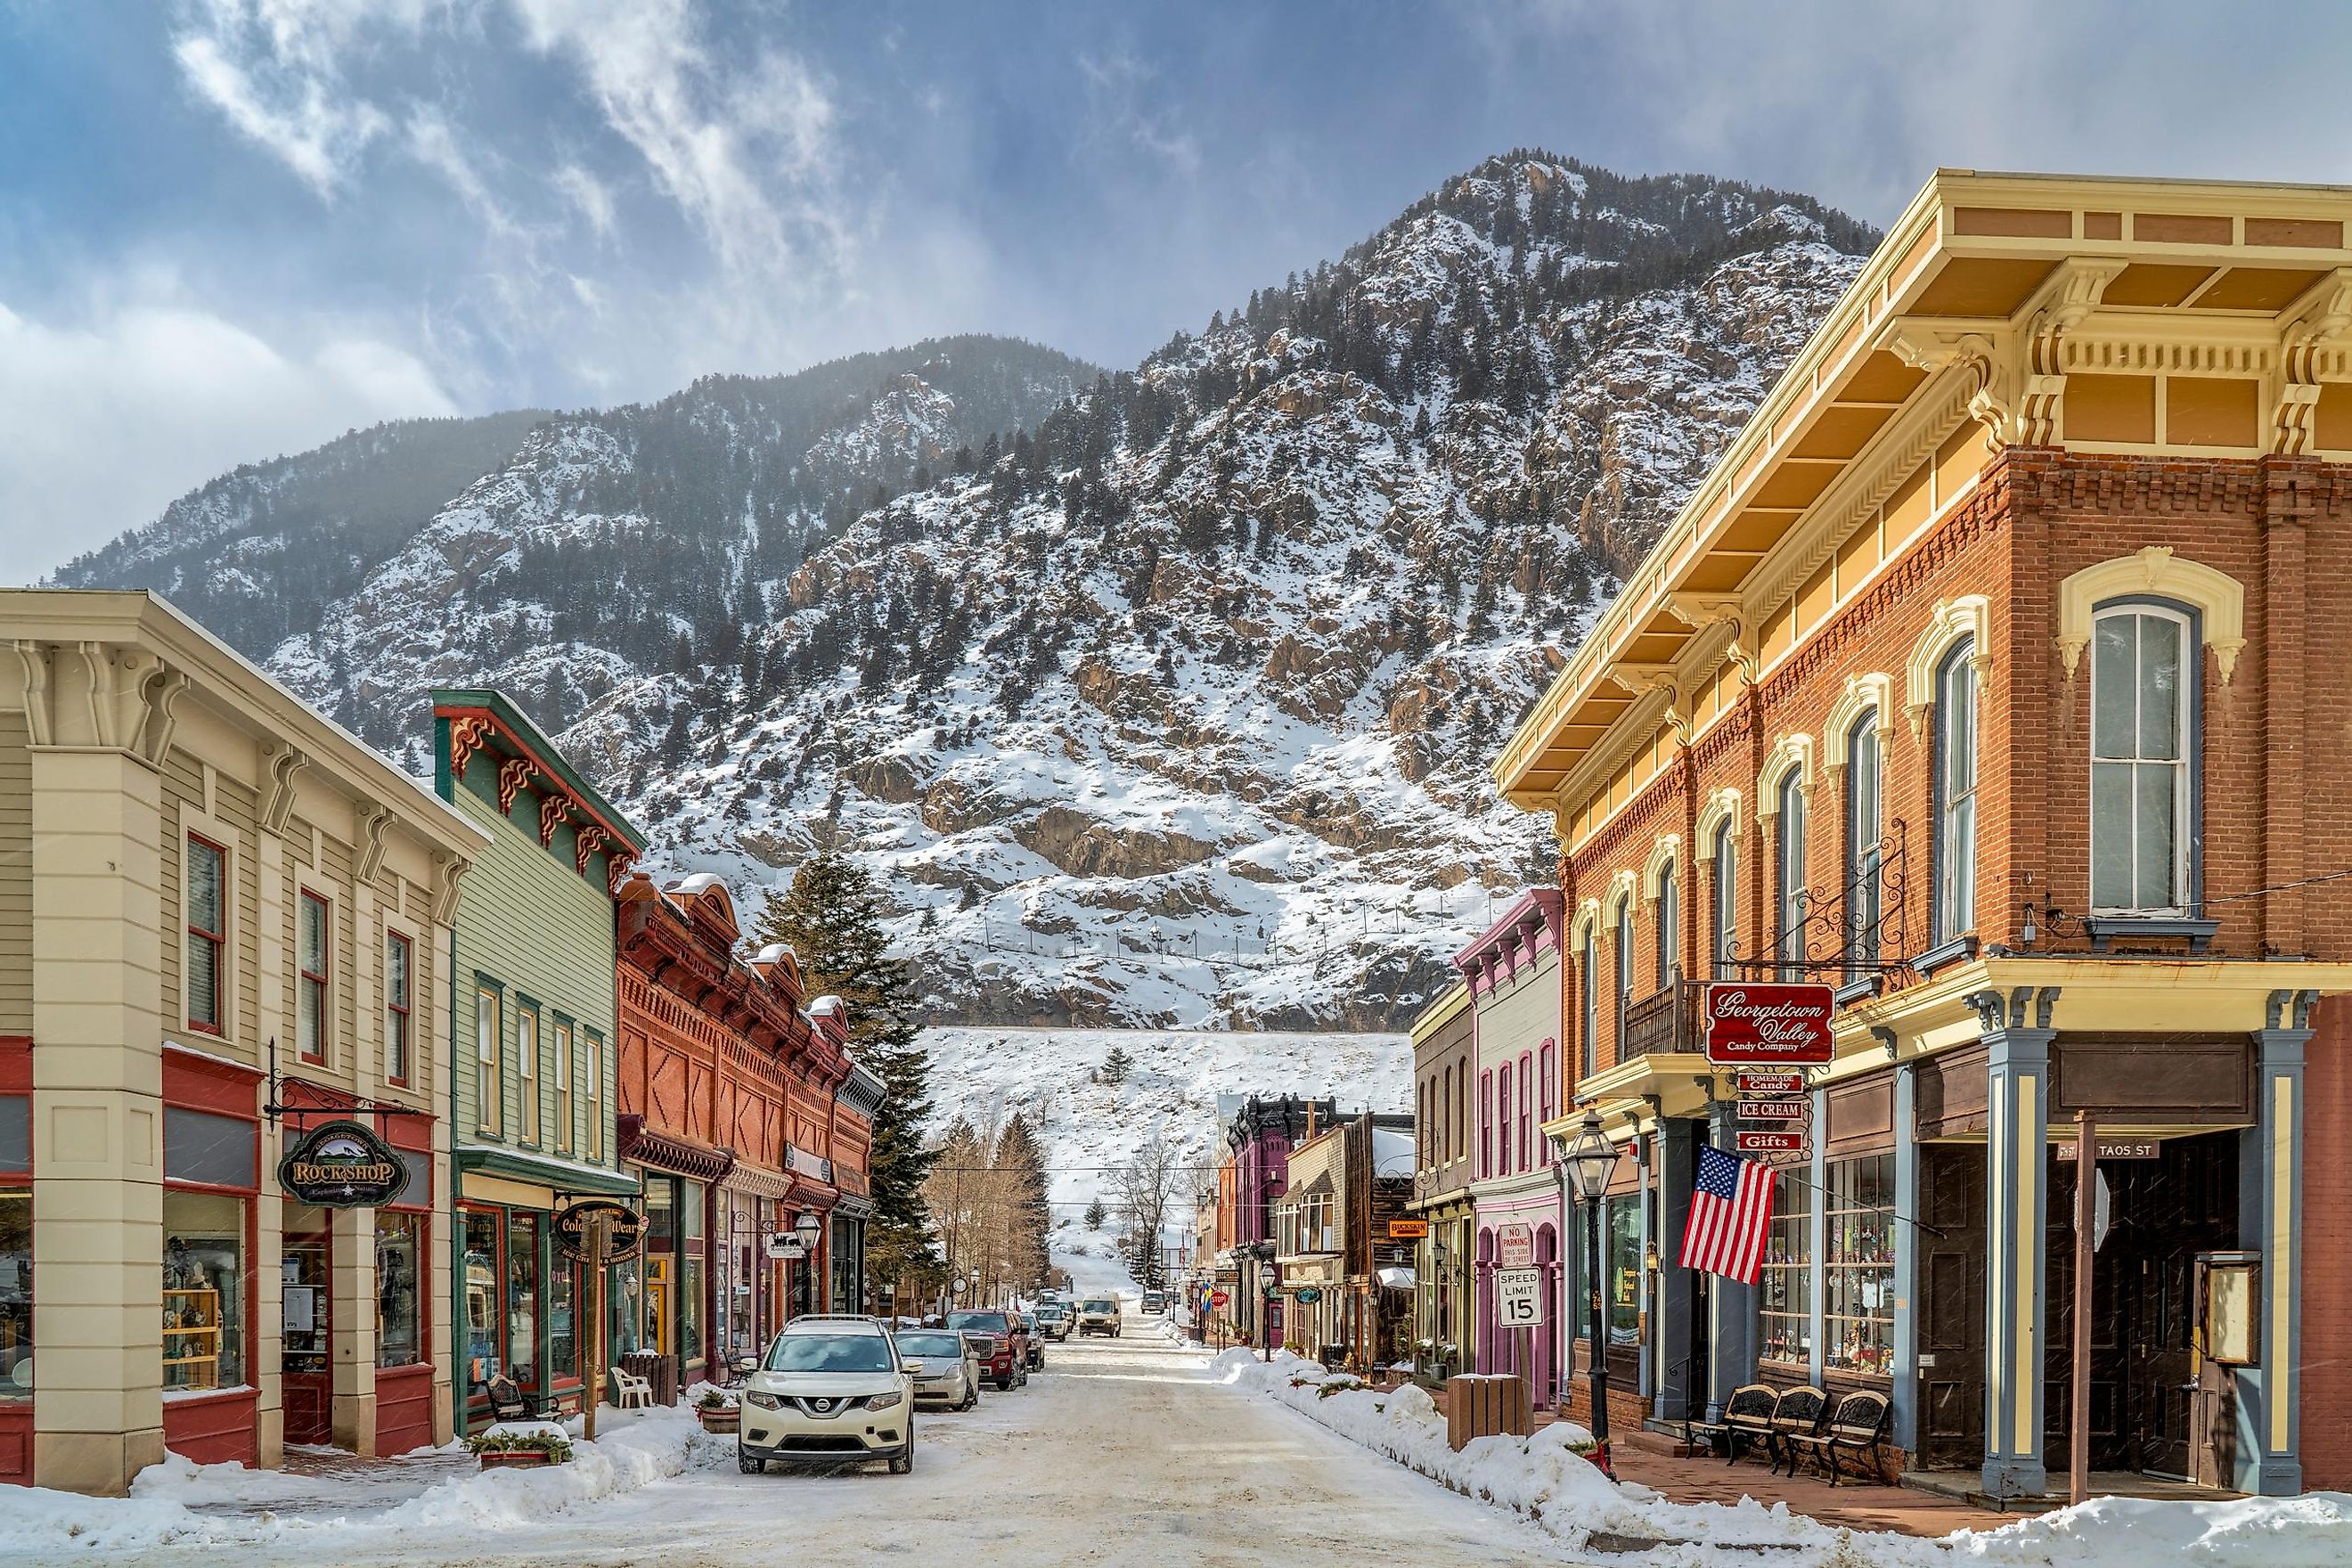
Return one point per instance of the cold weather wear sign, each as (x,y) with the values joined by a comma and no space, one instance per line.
(1754,1024)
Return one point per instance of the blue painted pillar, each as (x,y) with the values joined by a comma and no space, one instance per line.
(1675,1150)
(1817,1244)
(2270,1186)
(2017,1155)
(1644,1378)
(1905,1392)
(1731,1307)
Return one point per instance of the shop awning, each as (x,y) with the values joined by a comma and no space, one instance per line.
(687,1157)
(1396,1278)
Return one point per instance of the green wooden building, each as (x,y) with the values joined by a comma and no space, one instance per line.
(534,1021)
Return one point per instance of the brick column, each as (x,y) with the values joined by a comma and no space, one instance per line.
(2289,498)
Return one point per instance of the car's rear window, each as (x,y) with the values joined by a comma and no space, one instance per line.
(980,1322)
(929,1345)
(829,1353)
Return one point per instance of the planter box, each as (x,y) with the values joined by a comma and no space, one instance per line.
(513,1458)
(723,1421)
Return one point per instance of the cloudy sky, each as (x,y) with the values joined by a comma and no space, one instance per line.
(231,228)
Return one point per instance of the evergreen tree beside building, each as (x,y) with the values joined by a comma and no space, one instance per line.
(831,917)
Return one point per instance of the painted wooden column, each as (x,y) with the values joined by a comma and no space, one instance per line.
(1905,1399)
(2016,1200)
(1645,1381)
(1731,1307)
(2269,1460)
(1674,1151)
(351,1301)
(1816,1171)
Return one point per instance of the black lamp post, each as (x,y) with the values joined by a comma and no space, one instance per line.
(1588,1158)
(1270,1288)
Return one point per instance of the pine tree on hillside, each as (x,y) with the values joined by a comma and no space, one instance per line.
(1020,1163)
(831,917)
(1096,1214)
(1115,1065)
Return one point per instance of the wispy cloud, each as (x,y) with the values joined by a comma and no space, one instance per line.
(1117,93)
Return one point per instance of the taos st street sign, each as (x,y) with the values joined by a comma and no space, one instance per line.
(1757,1023)
(1747,1143)
(1767,1084)
(2116,1149)
(1772,1110)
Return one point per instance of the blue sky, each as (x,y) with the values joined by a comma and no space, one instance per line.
(230,228)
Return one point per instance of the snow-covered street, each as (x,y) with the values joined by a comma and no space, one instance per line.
(1121,1452)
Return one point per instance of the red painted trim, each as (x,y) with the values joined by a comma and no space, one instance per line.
(552,777)
(210,1428)
(403,1408)
(16,1064)
(206,1083)
(16,1442)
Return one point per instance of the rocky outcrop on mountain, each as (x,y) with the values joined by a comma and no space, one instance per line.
(1170,702)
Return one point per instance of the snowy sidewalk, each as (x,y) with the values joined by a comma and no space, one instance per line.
(1546,1481)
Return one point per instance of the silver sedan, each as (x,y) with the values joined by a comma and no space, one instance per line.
(945,1369)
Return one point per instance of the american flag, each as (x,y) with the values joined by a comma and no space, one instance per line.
(1731,1209)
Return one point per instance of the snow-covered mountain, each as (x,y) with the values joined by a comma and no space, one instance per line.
(1170,705)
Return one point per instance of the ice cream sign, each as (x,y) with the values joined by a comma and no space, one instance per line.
(1751,1024)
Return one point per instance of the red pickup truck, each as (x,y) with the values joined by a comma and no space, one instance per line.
(1000,1342)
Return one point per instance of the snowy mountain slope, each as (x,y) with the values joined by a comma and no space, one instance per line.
(1089,1128)
(1171,703)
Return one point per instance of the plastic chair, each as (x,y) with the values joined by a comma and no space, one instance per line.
(631,1392)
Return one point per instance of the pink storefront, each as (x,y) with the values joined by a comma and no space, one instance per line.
(1514,975)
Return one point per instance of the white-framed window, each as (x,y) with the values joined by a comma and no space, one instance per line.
(1589,963)
(1790,943)
(563,1076)
(1625,945)
(398,956)
(1727,900)
(2142,792)
(488,1092)
(1864,853)
(526,1075)
(1669,923)
(595,1094)
(315,943)
(1956,793)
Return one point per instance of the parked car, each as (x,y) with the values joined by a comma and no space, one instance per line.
(832,1390)
(1054,1321)
(946,1368)
(1155,1300)
(1098,1315)
(1033,1343)
(1004,1353)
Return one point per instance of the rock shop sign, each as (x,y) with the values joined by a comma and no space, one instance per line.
(343,1165)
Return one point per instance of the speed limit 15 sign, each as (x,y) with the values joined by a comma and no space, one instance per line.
(1518,1298)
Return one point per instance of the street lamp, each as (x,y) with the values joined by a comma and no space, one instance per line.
(1271,1287)
(1589,1158)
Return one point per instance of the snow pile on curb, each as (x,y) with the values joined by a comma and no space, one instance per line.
(42,1524)
(1546,1481)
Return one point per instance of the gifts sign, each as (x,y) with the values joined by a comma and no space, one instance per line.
(1759,1024)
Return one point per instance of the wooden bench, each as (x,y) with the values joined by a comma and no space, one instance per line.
(1858,1425)
(1747,1417)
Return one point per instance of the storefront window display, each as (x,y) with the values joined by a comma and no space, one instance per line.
(399,1294)
(305,1291)
(203,1291)
(483,1359)
(1858,1276)
(1625,1270)
(1785,1285)
(522,1298)
(661,1265)
(15,1296)
(562,1331)
(689,1276)
(626,1284)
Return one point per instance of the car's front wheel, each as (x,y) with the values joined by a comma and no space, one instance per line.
(902,1463)
(747,1465)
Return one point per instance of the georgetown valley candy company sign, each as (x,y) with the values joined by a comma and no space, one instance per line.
(1766,1024)
(342,1165)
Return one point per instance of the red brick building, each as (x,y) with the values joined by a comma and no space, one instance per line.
(748,1124)
(1989,679)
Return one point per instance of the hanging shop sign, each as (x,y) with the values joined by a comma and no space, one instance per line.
(1518,1298)
(786,1246)
(1308,1296)
(1772,1110)
(1408,1229)
(1764,1085)
(1756,1023)
(342,1165)
(624,1229)
(1515,1246)
(1748,1142)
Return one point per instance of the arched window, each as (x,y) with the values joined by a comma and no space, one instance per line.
(1956,793)
(1527,1104)
(2142,805)
(1669,923)
(1727,900)
(1587,991)
(1624,969)
(1503,1119)
(1549,1079)
(1461,1103)
(1790,945)
(1862,852)
(1445,1122)
(1486,1125)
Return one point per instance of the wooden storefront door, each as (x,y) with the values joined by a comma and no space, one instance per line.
(1952,1306)
(308,1306)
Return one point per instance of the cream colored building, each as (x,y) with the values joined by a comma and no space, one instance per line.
(202,880)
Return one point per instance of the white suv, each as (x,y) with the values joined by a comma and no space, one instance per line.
(831,1391)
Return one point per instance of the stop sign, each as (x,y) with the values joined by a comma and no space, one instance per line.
(1219,1297)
